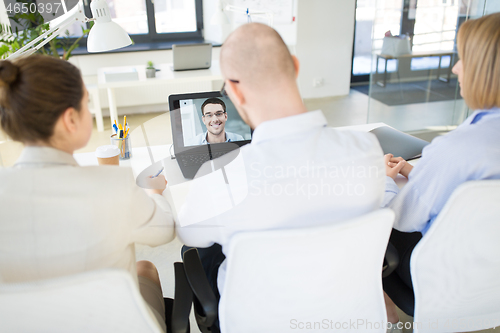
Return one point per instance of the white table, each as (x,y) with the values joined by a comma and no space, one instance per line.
(400,179)
(165,75)
(415,54)
(177,190)
(141,159)
(148,161)
(142,167)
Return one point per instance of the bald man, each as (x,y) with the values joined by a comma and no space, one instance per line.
(296,172)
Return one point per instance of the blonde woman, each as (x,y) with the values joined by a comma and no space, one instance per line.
(470,152)
(57,218)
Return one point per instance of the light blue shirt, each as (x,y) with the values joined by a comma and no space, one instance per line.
(470,152)
(201,139)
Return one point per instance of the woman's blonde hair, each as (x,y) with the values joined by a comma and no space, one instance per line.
(479,49)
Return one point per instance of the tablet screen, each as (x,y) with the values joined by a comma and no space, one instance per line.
(211,120)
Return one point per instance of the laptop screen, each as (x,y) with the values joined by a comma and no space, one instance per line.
(206,118)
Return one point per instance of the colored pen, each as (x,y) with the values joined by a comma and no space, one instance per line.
(124,123)
(157,173)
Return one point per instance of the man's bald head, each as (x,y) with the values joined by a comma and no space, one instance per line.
(256,54)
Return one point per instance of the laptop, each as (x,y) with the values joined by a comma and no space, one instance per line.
(192,56)
(398,143)
(190,130)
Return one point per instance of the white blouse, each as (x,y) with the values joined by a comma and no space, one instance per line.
(57,218)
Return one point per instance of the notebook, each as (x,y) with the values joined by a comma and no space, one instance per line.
(190,130)
(398,143)
(192,56)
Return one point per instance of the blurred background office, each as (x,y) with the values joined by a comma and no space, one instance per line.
(339,44)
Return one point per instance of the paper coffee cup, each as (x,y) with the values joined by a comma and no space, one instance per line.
(107,155)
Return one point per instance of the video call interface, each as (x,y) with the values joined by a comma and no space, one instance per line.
(211,120)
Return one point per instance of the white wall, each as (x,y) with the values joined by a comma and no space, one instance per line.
(130,100)
(480,8)
(321,37)
(136,99)
(288,31)
(325,33)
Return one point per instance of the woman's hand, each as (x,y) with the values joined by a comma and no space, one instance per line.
(158,184)
(393,168)
(405,171)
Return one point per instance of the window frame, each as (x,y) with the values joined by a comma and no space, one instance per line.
(152,36)
(406,26)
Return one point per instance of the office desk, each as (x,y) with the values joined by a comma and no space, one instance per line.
(415,54)
(147,161)
(143,166)
(203,77)
(400,179)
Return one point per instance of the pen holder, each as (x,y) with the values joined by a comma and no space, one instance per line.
(124,145)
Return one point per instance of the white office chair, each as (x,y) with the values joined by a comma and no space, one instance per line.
(99,301)
(455,268)
(326,277)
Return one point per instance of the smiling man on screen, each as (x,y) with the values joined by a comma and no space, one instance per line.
(214,117)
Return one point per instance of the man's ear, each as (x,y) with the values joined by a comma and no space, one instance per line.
(236,92)
(69,120)
(296,64)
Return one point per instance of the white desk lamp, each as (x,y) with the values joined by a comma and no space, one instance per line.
(105,35)
(220,16)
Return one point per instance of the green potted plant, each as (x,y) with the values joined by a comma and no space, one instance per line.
(33,25)
(150,70)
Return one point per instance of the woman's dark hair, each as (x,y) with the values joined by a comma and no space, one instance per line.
(34,92)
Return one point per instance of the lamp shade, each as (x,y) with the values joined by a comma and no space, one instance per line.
(105,35)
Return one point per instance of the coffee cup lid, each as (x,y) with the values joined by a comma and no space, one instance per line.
(107,151)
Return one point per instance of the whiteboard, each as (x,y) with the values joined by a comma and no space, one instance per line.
(282,9)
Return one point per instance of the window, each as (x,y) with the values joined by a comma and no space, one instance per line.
(175,16)
(375,17)
(149,21)
(431,24)
(435,26)
(435,29)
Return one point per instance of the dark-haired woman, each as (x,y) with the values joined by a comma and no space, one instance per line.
(57,218)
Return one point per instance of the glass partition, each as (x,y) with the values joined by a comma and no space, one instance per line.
(411,85)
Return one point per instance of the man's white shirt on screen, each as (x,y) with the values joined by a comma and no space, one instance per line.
(201,139)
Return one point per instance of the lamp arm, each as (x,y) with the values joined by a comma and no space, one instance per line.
(74,15)
(231,8)
(268,14)
(244,10)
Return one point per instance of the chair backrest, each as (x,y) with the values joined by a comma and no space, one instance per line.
(99,301)
(455,268)
(326,277)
